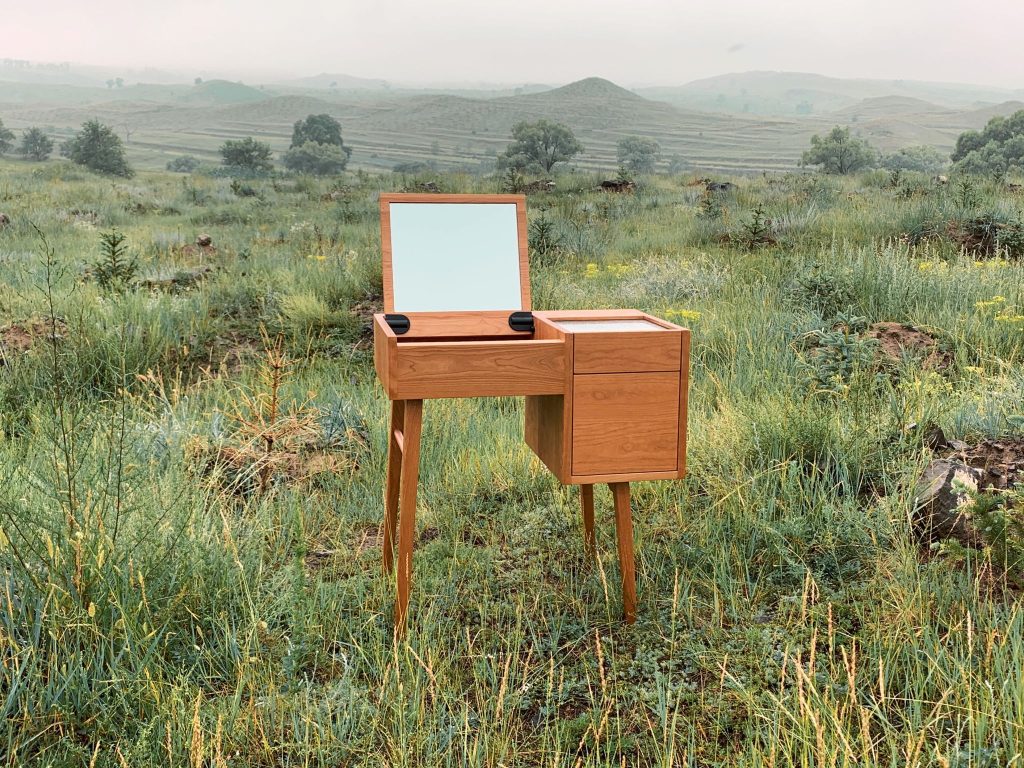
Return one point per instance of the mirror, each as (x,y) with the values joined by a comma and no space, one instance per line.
(447,257)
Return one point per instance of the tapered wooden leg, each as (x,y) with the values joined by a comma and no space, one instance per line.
(407,507)
(393,482)
(624,532)
(587,499)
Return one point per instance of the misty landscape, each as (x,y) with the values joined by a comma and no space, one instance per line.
(199,431)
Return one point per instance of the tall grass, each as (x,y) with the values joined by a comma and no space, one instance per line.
(148,616)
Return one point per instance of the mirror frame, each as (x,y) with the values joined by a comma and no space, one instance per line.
(458,322)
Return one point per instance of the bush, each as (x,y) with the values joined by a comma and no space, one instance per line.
(99,149)
(35,144)
(247,155)
(183,164)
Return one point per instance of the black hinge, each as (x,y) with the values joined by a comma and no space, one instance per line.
(399,323)
(521,321)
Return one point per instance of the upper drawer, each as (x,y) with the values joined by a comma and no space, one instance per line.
(627,351)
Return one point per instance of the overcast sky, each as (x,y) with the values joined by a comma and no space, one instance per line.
(633,42)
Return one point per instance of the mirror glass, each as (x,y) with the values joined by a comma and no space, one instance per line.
(455,257)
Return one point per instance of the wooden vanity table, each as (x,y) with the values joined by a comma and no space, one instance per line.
(605,389)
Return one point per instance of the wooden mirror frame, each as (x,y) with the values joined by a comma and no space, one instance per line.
(454,323)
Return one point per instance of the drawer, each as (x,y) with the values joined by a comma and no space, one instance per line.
(625,422)
(427,369)
(627,352)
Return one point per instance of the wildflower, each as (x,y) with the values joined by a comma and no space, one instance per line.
(990,303)
(978,371)
(924,266)
(592,270)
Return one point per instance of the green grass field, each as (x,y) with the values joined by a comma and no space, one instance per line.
(174,593)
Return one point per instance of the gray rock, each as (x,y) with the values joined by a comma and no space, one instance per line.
(941,503)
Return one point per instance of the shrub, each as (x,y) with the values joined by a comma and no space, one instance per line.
(184,164)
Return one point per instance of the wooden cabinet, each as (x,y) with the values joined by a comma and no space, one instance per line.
(622,415)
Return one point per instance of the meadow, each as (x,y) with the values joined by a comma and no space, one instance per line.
(192,448)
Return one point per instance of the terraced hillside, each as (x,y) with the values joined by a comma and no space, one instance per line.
(459,131)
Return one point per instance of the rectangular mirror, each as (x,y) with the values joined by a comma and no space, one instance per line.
(454,253)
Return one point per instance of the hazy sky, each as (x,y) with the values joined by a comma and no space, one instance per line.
(632,42)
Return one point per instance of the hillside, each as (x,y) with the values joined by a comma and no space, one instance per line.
(801,93)
(387,127)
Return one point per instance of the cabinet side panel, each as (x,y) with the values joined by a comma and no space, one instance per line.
(684,399)
(544,419)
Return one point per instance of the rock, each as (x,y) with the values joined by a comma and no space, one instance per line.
(5,220)
(941,502)
(204,241)
(940,180)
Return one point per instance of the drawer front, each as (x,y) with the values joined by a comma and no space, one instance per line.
(429,369)
(626,352)
(625,422)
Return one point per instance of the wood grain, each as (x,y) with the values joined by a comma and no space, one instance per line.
(627,561)
(625,351)
(393,483)
(385,201)
(587,502)
(434,369)
(684,398)
(413,423)
(625,422)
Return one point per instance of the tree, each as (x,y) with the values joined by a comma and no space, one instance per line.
(322,129)
(540,146)
(316,158)
(638,154)
(923,159)
(99,149)
(839,152)
(6,138)
(998,149)
(247,154)
(35,144)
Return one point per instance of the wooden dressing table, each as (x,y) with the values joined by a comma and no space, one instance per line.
(606,390)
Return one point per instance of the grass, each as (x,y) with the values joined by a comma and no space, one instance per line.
(152,614)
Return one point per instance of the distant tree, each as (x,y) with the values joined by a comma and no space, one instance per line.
(678,164)
(6,138)
(998,149)
(638,154)
(247,154)
(317,159)
(540,146)
(923,159)
(35,144)
(839,152)
(183,164)
(198,81)
(110,83)
(119,82)
(99,149)
(322,129)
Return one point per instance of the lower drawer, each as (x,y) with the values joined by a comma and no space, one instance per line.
(625,422)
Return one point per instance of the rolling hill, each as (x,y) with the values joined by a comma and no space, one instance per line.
(386,127)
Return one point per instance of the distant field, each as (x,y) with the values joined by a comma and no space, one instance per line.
(459,131)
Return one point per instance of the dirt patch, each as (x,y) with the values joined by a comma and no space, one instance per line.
(1001,462)
(899,340)
(18,338)
(365,310)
